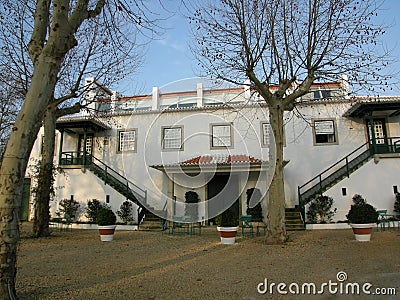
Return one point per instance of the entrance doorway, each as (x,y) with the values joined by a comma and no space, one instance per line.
(85,146)
(377,133)
(222,192)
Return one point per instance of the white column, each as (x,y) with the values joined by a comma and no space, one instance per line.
(155,99)
(199,94)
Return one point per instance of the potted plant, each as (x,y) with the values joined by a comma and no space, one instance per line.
(191,198)
(362,218)
(227,226)
(106,220)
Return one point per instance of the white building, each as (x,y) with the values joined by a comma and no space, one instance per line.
(167,143)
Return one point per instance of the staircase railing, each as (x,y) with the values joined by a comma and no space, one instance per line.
(77,158)
(343,168)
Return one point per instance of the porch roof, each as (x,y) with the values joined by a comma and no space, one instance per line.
(388,106)
(80,124)
(216,162)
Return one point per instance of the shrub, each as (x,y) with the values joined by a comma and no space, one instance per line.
(92,207)
(229,218)
(361,212)
(397,203)
(256,211)
(125,212)
(105,216)
(191,210)
(68,207)
(320,210)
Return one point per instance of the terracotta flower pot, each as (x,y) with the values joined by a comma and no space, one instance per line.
(362,232)
(227,234)
(106,232)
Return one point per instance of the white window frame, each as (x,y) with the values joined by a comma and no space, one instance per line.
(132,146)
(172,141)
(326,127)
(217,142)
(265,130)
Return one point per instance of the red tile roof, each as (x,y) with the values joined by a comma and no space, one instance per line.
(219,159)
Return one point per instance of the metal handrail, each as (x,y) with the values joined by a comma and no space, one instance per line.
(346,159)
(108,170)
(392,148)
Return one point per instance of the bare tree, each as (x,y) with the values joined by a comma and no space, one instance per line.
(53,34)
(283,47)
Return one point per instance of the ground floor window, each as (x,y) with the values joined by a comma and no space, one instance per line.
(325,132)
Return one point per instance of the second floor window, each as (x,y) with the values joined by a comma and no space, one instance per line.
(172,138)
(221,136)
(127,140)
(265,131)
(324,132)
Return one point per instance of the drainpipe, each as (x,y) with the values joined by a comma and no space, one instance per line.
(84,149)
(371,124)
(61,146)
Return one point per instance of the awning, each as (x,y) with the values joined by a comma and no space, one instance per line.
(370,107)
(81,124)
(215,163)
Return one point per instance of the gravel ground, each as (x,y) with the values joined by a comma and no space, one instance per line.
(149,265)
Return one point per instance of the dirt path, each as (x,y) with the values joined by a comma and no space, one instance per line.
(149,265)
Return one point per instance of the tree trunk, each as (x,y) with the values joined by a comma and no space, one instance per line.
(45,177)
(276,193)
(14,165)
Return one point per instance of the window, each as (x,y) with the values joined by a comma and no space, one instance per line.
(265,131)
(127,140)
(172,138)
(321,94)
(324,132)
(221,136)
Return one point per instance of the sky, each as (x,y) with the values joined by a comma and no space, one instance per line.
(168,60)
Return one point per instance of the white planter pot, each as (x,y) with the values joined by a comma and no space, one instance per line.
(227,234)
(362,232)
(106,232)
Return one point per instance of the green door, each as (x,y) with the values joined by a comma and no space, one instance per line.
(377,133)
(26,193)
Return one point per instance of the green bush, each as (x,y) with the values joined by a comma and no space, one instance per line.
(105,216)
(125,212)
(361,212)
(191,210)
(320,210)
(256,211)
(229,218)
(397,203)
(68,207)
(92,208)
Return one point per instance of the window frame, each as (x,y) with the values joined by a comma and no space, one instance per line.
(119,140)
(163,146)
(212,136)
(263,138)
(335,133)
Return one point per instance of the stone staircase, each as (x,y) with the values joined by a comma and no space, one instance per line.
(152,222)
(294,220)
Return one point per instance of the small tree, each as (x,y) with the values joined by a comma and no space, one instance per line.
(256,211)
(93,207)
(320,210)
(125,212)
(361,212)
(69,207)
(397,203)
(191,210)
